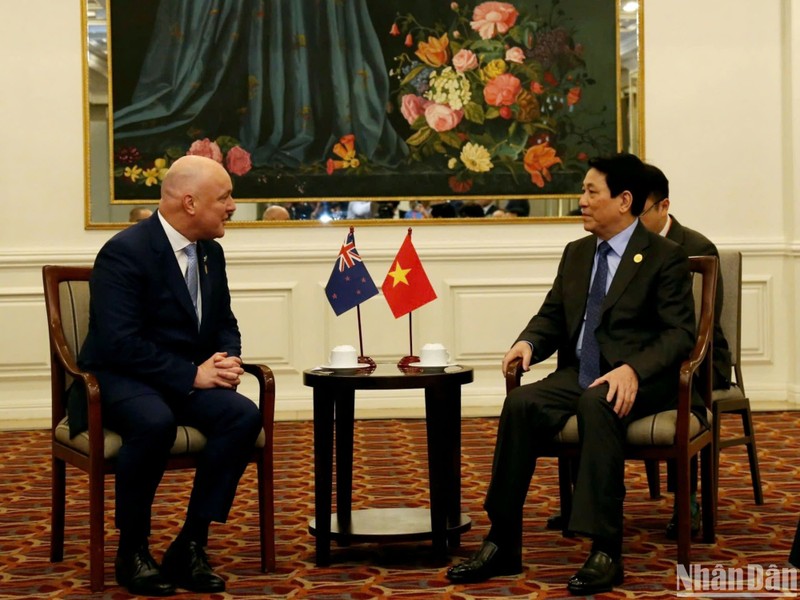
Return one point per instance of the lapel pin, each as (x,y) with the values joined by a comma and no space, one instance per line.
(637,258)
(205,264)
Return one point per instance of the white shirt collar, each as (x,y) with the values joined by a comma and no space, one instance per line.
(665,231)
(620,241)
(176,239)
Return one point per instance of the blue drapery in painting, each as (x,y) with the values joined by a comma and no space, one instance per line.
(287,78)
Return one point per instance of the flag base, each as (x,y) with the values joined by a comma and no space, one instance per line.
(366,360)
(407,360)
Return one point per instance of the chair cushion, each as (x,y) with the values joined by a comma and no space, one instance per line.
(187,440)
(733,393)
(655,430)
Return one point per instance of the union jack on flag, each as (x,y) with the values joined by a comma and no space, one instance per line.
(348,255)
(350,283)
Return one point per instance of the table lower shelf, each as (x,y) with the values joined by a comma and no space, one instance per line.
(388,524)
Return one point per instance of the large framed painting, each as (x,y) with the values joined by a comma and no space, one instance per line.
(364,100)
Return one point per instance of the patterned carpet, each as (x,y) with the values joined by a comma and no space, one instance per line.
(390,470)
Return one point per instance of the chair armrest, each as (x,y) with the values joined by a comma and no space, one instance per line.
(266,390)
(701,355)
(513,374)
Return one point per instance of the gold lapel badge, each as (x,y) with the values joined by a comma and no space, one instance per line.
(637,258)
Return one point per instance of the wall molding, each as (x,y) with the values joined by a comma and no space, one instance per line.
(450,250)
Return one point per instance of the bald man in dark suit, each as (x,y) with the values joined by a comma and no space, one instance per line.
(165,348)
(620,315)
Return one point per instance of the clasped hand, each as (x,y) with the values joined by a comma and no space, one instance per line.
(219,370)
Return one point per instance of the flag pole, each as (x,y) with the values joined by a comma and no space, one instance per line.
(360,338)
(410,336)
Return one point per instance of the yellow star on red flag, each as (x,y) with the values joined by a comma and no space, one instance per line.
(399,274)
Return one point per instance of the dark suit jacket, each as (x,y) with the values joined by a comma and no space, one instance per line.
(143,330)
(648,317)
(696,244)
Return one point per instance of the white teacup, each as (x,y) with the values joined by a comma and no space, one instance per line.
(343,356)
(435,355)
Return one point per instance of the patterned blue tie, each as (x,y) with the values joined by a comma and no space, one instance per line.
(191,272)
(590,350)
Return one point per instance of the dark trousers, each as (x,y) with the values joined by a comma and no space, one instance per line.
(535,413)
(148,423)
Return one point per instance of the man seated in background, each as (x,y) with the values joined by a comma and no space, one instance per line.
(657,219)
(518,208)
(276,212)
(620,314)
(140,213)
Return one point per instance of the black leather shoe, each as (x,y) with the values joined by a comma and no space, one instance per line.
(139,573)
(186,565)
(600,573)
(672,527)
(486,563)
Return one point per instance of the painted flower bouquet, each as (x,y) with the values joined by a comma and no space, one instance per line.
(134,169)
(494,91)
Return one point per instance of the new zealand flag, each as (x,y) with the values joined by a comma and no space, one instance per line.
(350,283)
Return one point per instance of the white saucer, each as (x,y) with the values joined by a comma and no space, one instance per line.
(420,365)
(355,366)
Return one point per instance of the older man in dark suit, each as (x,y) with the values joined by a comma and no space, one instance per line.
(621,316)
(165,348)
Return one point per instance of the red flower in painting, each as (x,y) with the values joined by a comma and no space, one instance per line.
(237,161)
(502,90)
(459,186)
(538,160)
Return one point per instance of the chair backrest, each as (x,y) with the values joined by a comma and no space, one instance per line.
(66,296)
(705,293)
(730,267)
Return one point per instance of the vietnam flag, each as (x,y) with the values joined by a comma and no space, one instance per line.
(406,286)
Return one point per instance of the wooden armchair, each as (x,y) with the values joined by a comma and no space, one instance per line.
(66,294)
(674,434)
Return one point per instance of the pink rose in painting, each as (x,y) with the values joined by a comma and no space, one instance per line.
(237,161)
(502,90)
(515,55)
(441,117)
(491,18)
(465,60)
(412,107)
(207,148)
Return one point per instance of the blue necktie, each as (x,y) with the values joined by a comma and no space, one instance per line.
(590,350)
(191,272)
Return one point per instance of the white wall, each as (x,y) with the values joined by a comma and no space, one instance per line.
(722,119)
